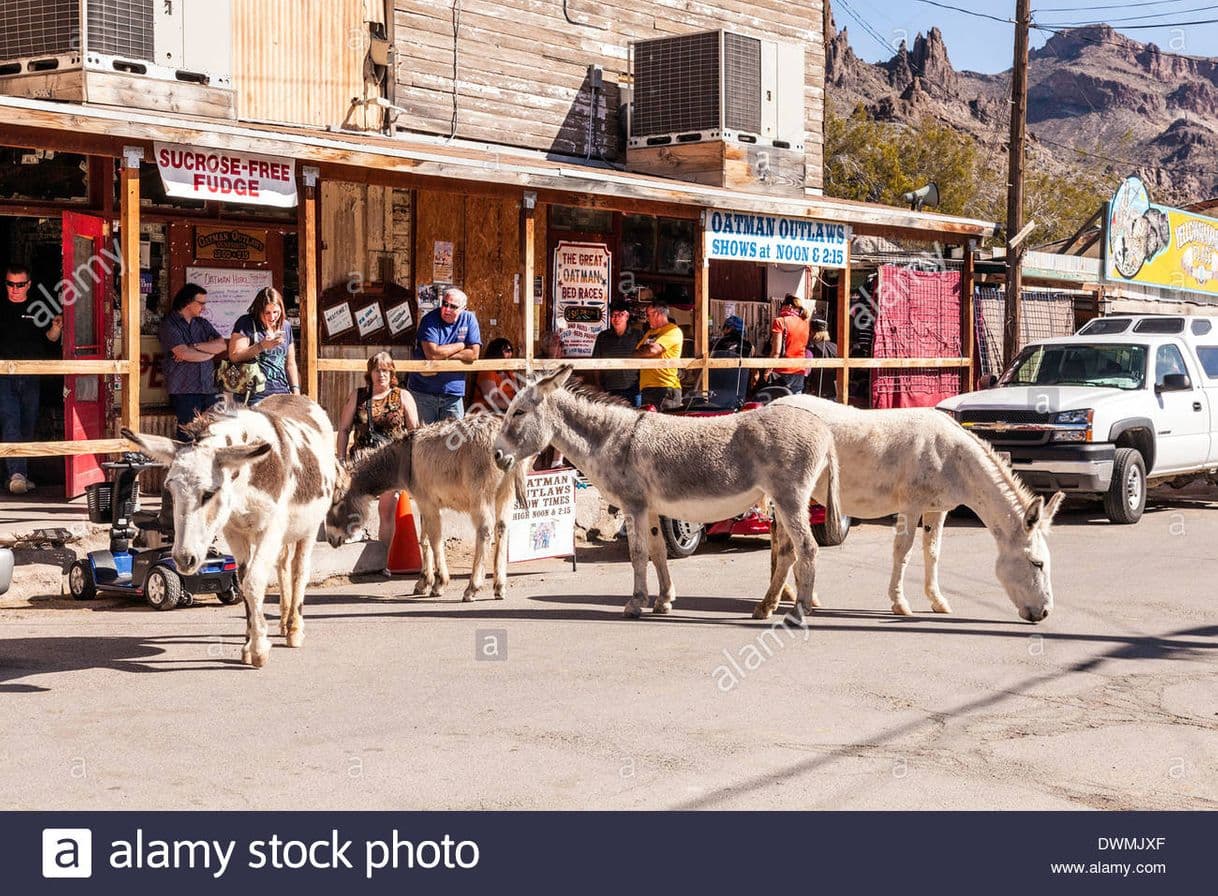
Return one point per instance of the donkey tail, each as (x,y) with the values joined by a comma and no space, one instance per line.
(833,507)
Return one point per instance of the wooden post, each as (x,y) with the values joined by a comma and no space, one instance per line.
(842,335)
(528,250)
(307,243)
(129,219)
(968,319)
(702,302)
(1012,328)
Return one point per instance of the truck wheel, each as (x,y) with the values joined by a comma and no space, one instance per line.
(681,538)
(231,596)
(80,581)
(162,589)
(827,539)
(1126,496)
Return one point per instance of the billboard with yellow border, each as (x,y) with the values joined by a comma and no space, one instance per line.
(1159,246)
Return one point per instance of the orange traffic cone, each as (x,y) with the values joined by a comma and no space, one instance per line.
(404,553)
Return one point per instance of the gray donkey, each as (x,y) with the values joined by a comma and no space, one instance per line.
(699,469)
(447,464)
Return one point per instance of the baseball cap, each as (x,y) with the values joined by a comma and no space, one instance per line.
(618,305)
(734,322)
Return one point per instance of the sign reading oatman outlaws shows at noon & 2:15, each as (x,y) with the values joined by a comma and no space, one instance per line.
(741,236)
(196,172)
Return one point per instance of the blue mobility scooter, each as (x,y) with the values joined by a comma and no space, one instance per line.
(147,572)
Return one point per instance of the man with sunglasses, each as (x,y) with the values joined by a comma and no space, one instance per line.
(447,333)
(22,338)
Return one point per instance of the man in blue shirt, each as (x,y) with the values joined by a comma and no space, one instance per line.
(190,343)
(447,333)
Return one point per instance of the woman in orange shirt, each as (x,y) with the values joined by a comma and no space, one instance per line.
(495,389)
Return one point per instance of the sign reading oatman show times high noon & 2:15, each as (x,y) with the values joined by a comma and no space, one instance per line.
(741,236)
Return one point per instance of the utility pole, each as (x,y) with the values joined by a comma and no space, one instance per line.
(1019,115)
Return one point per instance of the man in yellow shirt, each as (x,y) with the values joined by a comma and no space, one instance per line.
(661,387)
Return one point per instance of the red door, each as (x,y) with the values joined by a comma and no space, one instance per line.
(89,264)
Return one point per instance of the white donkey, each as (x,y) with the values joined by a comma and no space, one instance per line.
(444,465)
(699,469)
(263,476)
(919,463)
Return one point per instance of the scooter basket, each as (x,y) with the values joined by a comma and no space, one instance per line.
(100,496)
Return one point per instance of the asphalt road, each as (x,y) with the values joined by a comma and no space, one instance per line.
(1109,704)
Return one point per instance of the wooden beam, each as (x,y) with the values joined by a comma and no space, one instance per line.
(528,235)
(702,300)
(843,329)
(967,317)
(129,217)
(116,366)
(64,449)
(308,262)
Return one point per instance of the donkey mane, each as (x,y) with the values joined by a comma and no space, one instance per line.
(1002,475)
(201,425)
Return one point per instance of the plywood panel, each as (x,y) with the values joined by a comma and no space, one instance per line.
(493,261)
(298,61)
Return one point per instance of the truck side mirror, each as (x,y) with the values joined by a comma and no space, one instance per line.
(1174,382)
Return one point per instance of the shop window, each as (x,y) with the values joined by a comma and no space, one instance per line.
(584,220)
(638,243)
(43,175)
(675,251)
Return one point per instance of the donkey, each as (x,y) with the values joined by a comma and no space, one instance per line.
(447,464)
(919,464)
(263,476)
(685,468)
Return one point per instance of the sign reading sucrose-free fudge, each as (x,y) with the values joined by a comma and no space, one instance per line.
(194,172)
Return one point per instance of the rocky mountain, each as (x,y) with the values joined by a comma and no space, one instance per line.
(1097,101)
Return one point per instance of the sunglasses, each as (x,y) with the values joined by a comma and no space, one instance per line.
(450,306)
(17,284)
(200,303)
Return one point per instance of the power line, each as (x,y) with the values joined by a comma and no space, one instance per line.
(1155,15)
(968,12)
(862,23)
(1073,33)
(1117,6)
(1143,27)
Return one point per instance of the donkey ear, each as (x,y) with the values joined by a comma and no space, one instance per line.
(1053,505)
(238,455)
(1034,514)
(159,448)
(555,380)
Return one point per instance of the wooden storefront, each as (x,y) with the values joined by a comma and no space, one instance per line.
(375,210)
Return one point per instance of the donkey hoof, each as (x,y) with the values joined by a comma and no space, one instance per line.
(468,596)
(661,608)
(814,601)
(761,611)
(633,610)
(500,592)
(296,638)
(940,606)
(422,586)
(901,608)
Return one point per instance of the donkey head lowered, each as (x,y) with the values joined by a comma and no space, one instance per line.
(201,481)
(1023,565)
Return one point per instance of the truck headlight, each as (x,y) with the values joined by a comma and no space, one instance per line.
(1075,426)
(1082,416)
(1072,435)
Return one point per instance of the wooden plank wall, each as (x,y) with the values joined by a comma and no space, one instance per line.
(366,233)
(522,65)
(300,61)
(485,233)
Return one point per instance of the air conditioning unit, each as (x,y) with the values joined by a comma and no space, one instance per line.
(716,85)
(174,55)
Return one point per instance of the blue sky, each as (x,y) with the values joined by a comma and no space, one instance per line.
(984,45)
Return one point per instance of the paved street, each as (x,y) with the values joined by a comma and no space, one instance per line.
(1109,704)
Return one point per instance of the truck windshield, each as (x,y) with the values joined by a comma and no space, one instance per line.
(1109,365)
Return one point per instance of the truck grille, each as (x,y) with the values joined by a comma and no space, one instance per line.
(981,421)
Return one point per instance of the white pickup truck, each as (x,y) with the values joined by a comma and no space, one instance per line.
(1126,401)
